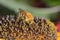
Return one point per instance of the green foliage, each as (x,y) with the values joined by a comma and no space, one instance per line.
(6,11)
(53,2)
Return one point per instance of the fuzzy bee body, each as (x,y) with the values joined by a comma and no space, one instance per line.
(26,15)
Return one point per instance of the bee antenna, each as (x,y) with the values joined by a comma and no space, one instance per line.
(20,9)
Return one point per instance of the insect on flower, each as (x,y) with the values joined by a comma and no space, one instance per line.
(27,15)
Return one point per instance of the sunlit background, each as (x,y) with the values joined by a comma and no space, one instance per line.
(42,8)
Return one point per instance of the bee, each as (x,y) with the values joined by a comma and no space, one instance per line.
(25,15)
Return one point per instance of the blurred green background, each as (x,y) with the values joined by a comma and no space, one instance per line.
(42,8)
